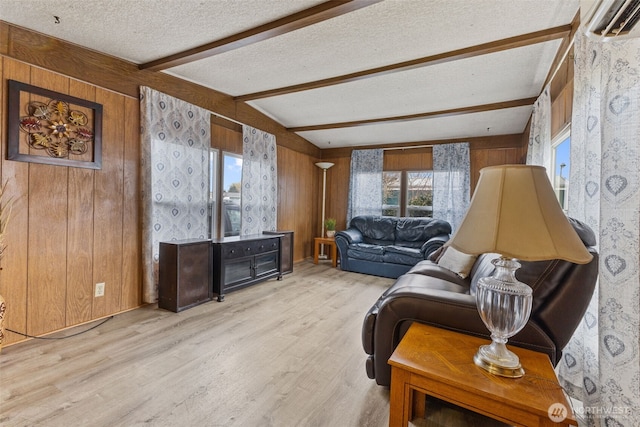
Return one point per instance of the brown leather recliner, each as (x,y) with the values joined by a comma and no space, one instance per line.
(435,296)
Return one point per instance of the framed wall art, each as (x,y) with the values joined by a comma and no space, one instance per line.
(53,128)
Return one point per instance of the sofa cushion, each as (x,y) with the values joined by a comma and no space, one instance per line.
(456,261)
(401,255)
(366,252)
(413,232)
(376,230)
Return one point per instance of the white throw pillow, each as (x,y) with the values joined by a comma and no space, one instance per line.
(456,261)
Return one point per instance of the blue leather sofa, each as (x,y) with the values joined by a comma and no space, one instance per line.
(387,246)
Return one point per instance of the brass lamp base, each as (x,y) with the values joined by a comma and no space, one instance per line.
(493,368)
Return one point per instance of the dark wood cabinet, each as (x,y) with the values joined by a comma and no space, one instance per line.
(184,274)
(286,250)
(242,261)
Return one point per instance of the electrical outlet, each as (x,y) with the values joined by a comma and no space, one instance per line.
(99,289)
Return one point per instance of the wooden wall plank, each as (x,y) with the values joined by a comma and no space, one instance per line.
(13,276)
(337,191)
(131,293)
(80,231)
(47,250)
(108,213)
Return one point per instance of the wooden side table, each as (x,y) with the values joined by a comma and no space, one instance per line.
(328,241)
(439,363)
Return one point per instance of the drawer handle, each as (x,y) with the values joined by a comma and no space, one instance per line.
(232,251)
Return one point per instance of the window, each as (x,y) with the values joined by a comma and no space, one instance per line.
(561,147)
(407,193)
(231,191)
(391,190)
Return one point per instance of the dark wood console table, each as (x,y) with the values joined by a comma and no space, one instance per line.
(242,261)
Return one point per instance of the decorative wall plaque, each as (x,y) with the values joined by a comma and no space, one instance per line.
(52,128)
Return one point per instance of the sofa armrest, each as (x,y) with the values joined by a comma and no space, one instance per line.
(351,235)
(343,239)
(433,244)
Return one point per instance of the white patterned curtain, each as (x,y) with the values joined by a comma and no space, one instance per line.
(365,183)
(601,364)
(175,141)
(451,182)
(259,197)
(539,150)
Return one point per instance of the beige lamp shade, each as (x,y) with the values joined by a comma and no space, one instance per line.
(514,212)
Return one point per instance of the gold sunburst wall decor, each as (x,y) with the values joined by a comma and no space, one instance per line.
(53,128)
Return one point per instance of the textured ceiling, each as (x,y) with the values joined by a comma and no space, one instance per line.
(378,35)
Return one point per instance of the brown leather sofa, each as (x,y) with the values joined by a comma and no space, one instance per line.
(436,296)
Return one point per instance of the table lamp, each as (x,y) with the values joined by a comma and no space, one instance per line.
(514,213)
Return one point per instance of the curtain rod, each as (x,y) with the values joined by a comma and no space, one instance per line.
(408,148)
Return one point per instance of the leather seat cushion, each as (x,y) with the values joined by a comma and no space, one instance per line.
(401,255)
(365,251)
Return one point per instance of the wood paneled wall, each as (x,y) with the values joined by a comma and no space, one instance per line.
(72,227)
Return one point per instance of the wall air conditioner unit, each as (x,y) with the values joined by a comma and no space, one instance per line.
(611,19)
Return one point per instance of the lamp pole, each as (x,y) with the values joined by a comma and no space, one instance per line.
(324,166)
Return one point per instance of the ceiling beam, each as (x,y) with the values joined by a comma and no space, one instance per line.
(313,15)
(441,58)
(419,116)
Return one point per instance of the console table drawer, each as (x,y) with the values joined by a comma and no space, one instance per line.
(242,249)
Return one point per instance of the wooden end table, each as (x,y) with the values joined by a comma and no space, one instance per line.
(439,363)
(328,241)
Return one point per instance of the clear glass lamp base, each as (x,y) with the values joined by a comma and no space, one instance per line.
(498,362)
(504,304)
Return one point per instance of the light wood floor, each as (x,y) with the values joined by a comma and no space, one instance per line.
(281,353)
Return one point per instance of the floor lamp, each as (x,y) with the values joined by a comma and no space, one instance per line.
(324,166)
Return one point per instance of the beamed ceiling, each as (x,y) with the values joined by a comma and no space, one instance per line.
(337,73)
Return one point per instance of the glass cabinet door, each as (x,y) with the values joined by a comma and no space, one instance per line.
(266,263)
(237,271)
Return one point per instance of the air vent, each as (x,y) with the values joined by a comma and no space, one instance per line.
(613,18)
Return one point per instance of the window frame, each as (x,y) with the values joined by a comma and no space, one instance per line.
(556,141)
(403,196)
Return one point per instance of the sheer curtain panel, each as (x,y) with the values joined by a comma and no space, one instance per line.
(259,181)
(451,182)
(175,140)
(365,183)
(601,364)
(539,150)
